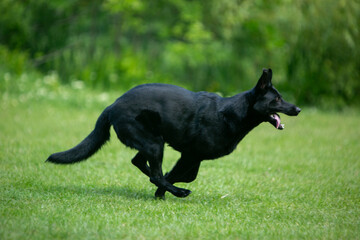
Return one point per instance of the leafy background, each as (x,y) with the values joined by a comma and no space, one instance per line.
(221,46)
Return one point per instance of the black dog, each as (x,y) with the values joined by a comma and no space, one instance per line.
(200,125)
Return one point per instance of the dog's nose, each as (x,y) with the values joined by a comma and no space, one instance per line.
(298,110)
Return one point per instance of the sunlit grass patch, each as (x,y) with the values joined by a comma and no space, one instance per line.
(302,182)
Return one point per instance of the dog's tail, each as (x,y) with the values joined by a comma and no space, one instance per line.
(88,146)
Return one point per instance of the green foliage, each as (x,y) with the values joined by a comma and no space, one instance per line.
(203,45)
(13,60)
(325,60)
(302,183)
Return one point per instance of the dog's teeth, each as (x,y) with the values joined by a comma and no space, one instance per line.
(282,125)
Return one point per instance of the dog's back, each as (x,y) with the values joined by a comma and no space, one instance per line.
(184,119)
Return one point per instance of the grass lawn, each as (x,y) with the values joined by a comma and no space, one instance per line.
(303,182)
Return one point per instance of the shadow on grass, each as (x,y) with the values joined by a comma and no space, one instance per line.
(112,191)
(126,192)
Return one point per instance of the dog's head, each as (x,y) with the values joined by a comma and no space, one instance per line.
(269,102)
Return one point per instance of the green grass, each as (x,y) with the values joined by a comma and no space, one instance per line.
(303,182)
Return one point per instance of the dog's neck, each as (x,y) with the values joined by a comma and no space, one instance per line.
(241,121)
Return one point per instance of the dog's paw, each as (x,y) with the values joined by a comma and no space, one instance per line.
(182,192)
(160,193)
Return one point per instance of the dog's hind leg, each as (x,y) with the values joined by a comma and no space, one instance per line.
(154,155)
(140,162)
(185,170)
(143,134)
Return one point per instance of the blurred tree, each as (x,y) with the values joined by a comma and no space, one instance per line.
(324,57)
(204,45)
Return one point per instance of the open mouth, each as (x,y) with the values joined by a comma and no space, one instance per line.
(274,119)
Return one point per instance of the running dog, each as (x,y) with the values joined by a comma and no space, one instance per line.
(200,125)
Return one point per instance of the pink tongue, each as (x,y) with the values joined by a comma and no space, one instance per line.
(277,120)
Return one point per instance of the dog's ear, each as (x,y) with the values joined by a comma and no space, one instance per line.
(265,80)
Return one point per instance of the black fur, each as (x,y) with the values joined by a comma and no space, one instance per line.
(88,146)
(200,125)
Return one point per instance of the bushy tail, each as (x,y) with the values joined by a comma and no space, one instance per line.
(88,146)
